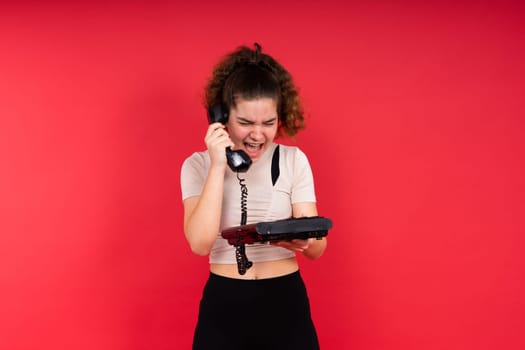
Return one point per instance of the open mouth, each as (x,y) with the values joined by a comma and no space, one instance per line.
(253,147)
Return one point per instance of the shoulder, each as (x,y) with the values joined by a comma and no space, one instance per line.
(292,154)
(196,161)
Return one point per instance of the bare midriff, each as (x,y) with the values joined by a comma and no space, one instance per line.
(259,270)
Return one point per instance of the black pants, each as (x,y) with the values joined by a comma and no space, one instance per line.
(255,314)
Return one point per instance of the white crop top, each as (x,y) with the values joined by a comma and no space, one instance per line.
(265,201)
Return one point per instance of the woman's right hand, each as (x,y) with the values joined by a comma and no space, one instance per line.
(217,139)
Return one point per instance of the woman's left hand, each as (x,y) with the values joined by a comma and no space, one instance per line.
(295,245)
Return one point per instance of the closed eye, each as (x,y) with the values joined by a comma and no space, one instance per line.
(270,122)
(246,122)
(243,121)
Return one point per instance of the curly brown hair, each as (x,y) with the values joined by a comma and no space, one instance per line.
(249,74)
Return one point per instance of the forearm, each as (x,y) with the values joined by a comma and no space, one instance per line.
(202,223)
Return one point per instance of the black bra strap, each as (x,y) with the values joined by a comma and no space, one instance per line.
(275,165)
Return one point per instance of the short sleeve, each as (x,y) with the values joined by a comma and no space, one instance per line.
(193,174)
(303,189)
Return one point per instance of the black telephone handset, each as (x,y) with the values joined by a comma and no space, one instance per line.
(238,160)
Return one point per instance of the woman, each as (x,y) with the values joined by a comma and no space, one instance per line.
(266,306)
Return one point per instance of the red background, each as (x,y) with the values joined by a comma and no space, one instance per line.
(415,123)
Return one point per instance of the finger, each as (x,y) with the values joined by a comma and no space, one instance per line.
(212,128)
(300,243)
(290,245)
(221,141)
(216,136)
(217,125)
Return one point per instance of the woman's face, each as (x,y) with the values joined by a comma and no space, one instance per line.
(252,125)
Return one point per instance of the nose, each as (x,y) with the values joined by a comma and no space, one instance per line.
(256,132)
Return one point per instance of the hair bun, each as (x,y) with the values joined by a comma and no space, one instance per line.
(257,52)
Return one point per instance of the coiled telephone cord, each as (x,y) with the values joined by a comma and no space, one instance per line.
(243,263)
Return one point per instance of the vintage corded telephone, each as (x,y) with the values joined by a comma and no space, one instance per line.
(238,160)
